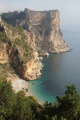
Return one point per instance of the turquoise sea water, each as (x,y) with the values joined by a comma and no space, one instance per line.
(58,71)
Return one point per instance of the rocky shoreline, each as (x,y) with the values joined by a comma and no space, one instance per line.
(25,41)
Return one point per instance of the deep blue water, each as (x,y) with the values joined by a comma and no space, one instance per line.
(58,71)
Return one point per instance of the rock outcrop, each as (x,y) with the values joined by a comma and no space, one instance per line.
(44,27)
(23,59)
(33,68)
(20,48)
(3,57)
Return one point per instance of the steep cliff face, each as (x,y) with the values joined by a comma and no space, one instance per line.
(16,54)
(26,35)
(33,68)
(44,27)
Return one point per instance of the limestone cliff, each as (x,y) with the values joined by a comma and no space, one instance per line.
(24,36)
(16,54)
(44,27)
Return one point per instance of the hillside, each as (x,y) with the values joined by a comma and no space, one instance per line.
(16,54)
(24,37)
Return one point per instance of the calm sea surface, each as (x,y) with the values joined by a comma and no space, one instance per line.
(58,71)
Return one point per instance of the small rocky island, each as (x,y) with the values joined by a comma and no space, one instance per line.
(24,37)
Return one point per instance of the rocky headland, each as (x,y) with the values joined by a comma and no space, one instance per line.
(25,36)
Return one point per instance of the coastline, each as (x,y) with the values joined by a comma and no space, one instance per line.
(30,91)
(20,84)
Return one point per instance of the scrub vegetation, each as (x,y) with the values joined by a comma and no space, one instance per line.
(20,107)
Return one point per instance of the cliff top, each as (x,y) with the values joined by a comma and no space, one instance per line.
(26,9)
(29,10)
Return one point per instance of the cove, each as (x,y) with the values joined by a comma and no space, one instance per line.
(59,70)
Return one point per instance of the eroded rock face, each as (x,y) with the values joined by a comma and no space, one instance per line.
(28,71)
(3,57)
(9,54)
(33,68)
(42,32)
(44,27)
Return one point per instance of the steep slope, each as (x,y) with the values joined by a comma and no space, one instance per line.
(24,35)
(16,54)
(44,27)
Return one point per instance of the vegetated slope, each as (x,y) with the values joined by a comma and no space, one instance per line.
(19,107)
(16,52)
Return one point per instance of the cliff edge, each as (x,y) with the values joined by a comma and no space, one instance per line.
(26,35)
(44,27)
